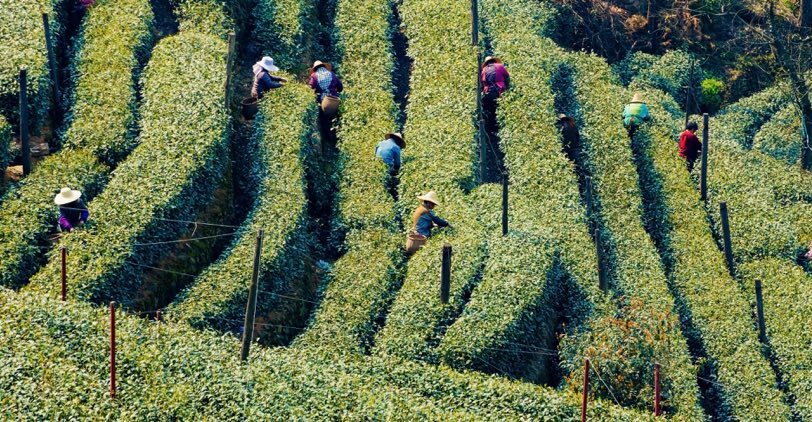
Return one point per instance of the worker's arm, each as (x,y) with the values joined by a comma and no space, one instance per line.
(338,85)
(644,113)
(437,220)
(65,224)
(314,83)
(85,215)
(396,156)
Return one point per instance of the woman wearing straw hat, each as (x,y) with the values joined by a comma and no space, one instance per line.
(72,211)
(423,220)
(324,81)
(263,80)
(635,114)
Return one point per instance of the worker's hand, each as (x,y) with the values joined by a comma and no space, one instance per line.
(284,79)
(70,229)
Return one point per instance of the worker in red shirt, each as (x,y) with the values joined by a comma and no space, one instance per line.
(689,145)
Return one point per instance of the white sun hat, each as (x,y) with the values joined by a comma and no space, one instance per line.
(430,197)
(66,196)
(267,64)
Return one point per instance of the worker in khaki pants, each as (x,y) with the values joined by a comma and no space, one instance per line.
(423,220)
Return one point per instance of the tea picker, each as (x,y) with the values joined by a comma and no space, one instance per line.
(423,221)
(495,80)
(327,86)
(570,135)
(689,144)
(389,151)
(635,113)
(263,80)
(72,211)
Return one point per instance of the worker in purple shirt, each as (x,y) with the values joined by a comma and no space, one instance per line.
(72,211)
(495,80)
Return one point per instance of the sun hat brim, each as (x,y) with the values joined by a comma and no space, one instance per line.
(270,68)
(318,63)
(428,199)
(60,199)
(490,59)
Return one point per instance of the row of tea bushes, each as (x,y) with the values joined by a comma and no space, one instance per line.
(364,280)
(56,357)
(282,138)
(720,314)
(440,156)
(22,44)
(788,315)
(170,175)
(102,129)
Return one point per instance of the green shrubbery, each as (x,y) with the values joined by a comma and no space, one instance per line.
(284,136)
(171,174)
(102,124)
(284,29)
(712,94)
(781,137)
(440,156)
(720,314)
(5,143)
(787,315)
(22,43)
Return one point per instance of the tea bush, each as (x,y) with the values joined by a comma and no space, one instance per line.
(283,137)
(285,29)
(22,43)
(102,129)
(781,136)
(719,312)
(787,317)
(170,175)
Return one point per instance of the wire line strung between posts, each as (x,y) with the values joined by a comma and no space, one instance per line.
(595,368)
(202,223)
(185,240)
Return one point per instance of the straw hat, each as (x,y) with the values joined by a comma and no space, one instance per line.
(319,63)
(491,59)
(398,138)
(638,98)
(430,197)
(66,196)
(267,64)
(561,117)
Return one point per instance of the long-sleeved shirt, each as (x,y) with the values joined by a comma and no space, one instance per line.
(635,114)
(389,151)
(689,146)
(324,81)
(424,220)
(67,217)
(494,75)
(264,82)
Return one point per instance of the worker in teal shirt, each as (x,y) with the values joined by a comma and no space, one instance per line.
(635,114)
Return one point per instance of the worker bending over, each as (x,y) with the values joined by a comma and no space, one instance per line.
(389,151)
(423,221)
(689,145)
(635,114)
(327,86)
(263,80)
(495,80)
(72,211)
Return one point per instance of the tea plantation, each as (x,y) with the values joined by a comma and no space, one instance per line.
(238,268)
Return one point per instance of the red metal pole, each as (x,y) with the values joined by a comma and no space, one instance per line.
(657,411)
(586,390)
(64,274)
(112,350)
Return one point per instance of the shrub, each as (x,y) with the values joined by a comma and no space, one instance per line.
(171,174)
(441,109)
(102,123)
(781,136)
(787,317)
(720,315)
(5,143)
(712,93)
(206,17)
(283,138)
(284,29)
(22,43)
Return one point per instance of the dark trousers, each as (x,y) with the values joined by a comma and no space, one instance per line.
(328,136)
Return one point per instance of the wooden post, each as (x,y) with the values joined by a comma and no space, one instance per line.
(158,315)
(504,204)
(657,410)
(599,254)
(474,22)
(703,180)
(762,329)
(232,39)
(54,69)
(112,350)
(731,265)
(251,306)
(26,147)
(586,390)
(64,254)
(445,274)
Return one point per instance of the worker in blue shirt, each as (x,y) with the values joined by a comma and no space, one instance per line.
(389,151)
